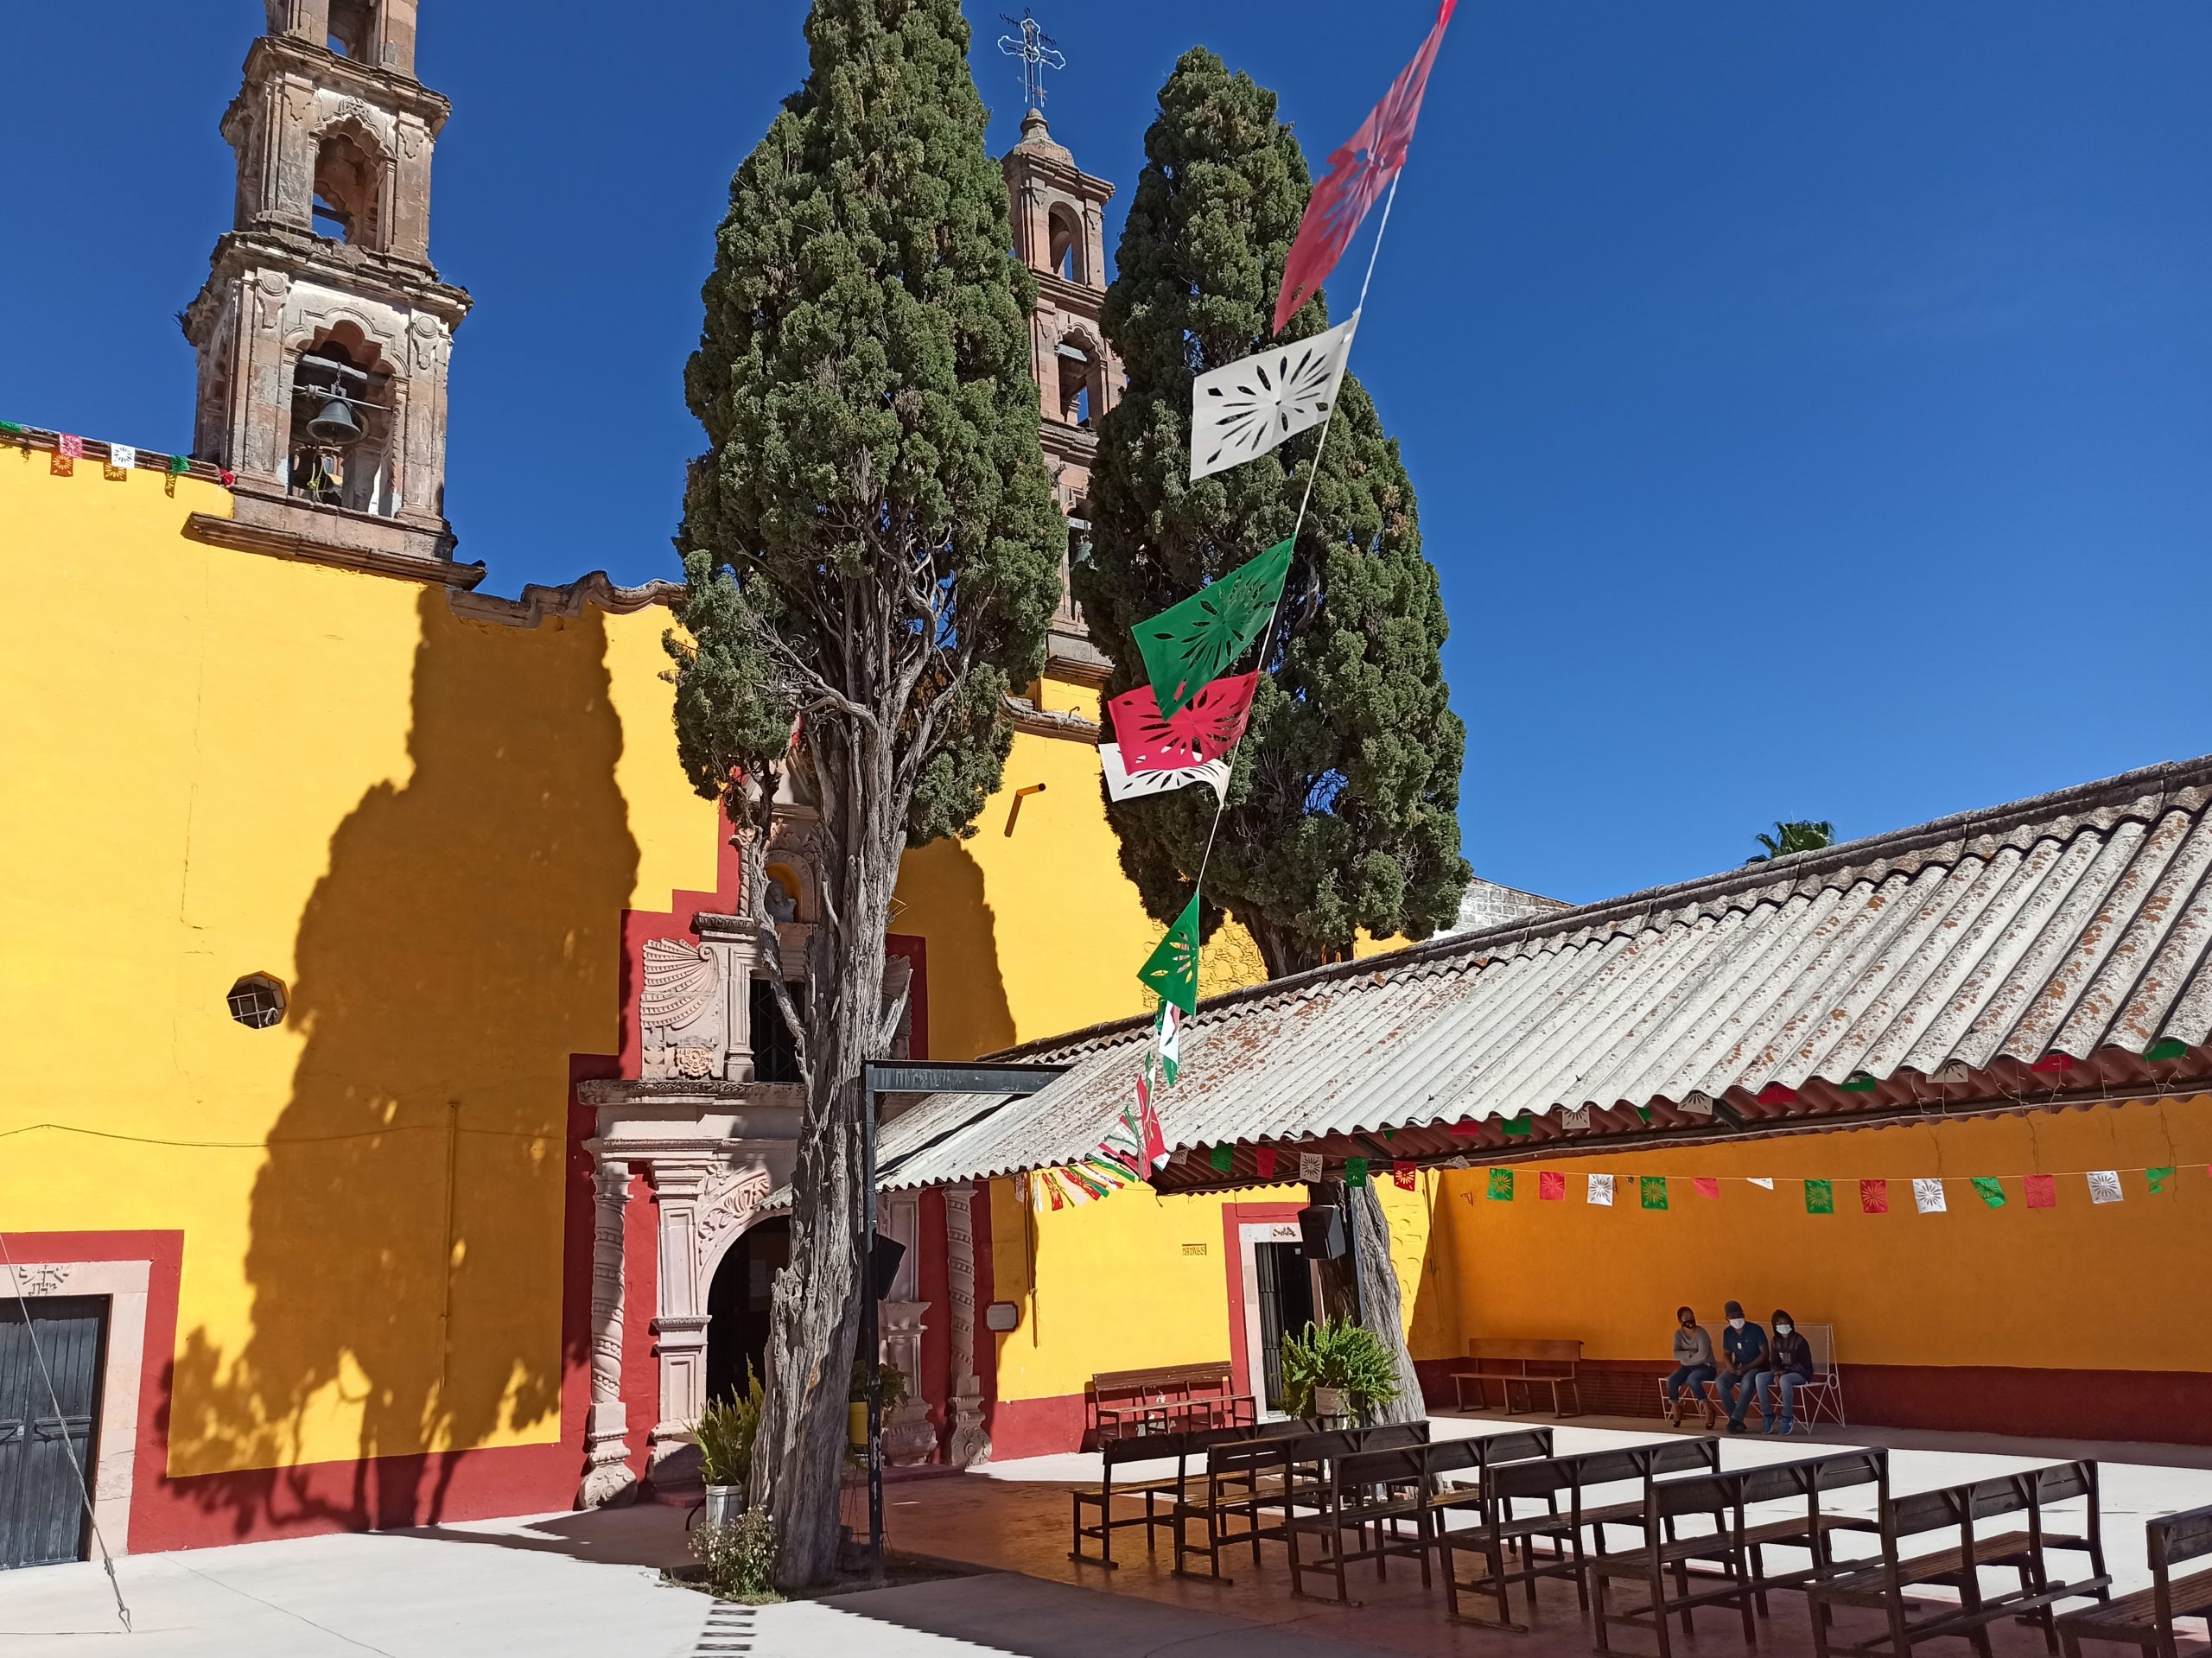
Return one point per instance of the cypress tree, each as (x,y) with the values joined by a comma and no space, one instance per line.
(872,557)
(1343,811)
(1343,808)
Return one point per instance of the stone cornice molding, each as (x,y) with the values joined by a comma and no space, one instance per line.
(219,532)
(597,590)
(385,88)
(343,266)
(1064,725)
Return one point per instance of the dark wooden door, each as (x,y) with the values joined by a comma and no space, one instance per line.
(1286,1308)
(44,1458)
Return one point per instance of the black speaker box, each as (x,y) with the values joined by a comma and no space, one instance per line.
(1323,1228)
(889,1252)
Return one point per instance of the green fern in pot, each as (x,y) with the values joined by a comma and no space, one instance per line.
(1335,1368)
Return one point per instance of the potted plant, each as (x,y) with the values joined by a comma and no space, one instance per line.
(893,1381)
(1335,1368)
(725,1432)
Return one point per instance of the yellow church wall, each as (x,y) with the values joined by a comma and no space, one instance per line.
(2105,1287)
(427,828)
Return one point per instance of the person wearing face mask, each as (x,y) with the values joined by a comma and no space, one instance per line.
(1789,1363)
(1693,1364)
(1743,1355)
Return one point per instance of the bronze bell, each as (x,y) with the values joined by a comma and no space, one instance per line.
(335,425)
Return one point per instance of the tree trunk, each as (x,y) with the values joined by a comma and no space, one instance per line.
(1371,1297)
(1375,1299)
(814,1315)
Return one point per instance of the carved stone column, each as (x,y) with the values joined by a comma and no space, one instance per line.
(607,1480)
(680,1322)
(968,1445)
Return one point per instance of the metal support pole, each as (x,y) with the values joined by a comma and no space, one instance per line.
(870,1340)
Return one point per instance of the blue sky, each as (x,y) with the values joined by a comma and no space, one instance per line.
(1810,402)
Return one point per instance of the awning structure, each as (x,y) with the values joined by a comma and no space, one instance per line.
(2050,952)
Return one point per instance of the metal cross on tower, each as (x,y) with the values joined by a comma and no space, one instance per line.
(1037,52)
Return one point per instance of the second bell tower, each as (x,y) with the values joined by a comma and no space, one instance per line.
(323,333)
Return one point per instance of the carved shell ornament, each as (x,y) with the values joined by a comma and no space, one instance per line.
(680,984)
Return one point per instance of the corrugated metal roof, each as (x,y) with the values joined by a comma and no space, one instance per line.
(1958,965)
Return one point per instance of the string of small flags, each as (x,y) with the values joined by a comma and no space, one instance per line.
(1929,1193)
(1183,725)
(121,459)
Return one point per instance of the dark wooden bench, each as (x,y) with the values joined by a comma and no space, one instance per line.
(1664,1554)
(2145,1618)
(1158,1494)
(1369,1494)
(1164,1397)
(1499,1531)
(1957,1512)
(1515,1363)
(1253,1481)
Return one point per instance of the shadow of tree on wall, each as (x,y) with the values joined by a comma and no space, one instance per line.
(968,1009)
(405,1250)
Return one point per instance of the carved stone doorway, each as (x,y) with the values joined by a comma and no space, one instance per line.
(737,1304)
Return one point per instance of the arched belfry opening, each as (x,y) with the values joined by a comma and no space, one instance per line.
(341,425)
(353,30)
(1067,252)
(348,202)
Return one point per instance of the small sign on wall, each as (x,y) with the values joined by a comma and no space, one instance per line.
(1194,1249)
(1001,1316)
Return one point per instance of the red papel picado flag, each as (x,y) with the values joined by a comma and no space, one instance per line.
(1358,174)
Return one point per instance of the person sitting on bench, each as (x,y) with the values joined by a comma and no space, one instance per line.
(1693,1364)
(1743,1353)
(1789,1367)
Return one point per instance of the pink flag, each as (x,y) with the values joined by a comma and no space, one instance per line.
(1707,1186)
(1873,1197)
(1358,173)
(70,444)
(2043,1191)
(1551,1185)
(1205,729)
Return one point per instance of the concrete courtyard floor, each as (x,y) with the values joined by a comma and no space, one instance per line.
(590,1583)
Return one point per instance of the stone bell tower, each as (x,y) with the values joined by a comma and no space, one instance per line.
(323,332)
(1059,232)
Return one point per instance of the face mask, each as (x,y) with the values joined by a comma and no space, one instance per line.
(1687,1321)
(1735,1324)
(1783,1330)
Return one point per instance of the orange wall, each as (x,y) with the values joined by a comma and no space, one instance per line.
(2110,1288)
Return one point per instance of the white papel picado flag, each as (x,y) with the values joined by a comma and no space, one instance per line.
(1239,413)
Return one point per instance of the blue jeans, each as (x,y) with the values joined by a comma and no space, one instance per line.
(1692,1376)
(1737,1393)
(1788,1382)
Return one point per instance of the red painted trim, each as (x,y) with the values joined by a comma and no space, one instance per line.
(987,1344)
(374,1493)
(1037,1427)
(1234,1216)
(674,922)
(640,1300)
(2158,1407)
(932,1285)
(150,1482)
(917,952)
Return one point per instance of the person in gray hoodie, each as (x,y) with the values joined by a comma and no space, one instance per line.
(1693,1365)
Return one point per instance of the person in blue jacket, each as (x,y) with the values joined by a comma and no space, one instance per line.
(1743,1355)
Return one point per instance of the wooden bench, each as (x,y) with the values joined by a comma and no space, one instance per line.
(1255,1479)
(1165,1489)
(1526,1364)
(2145,1618)
(1957,1511)
(1165,1397)
(1368,1493)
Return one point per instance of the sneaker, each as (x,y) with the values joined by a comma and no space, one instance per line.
(1769,1428)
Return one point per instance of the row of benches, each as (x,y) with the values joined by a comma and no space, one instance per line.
(1344,1497)
(1520,1368)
